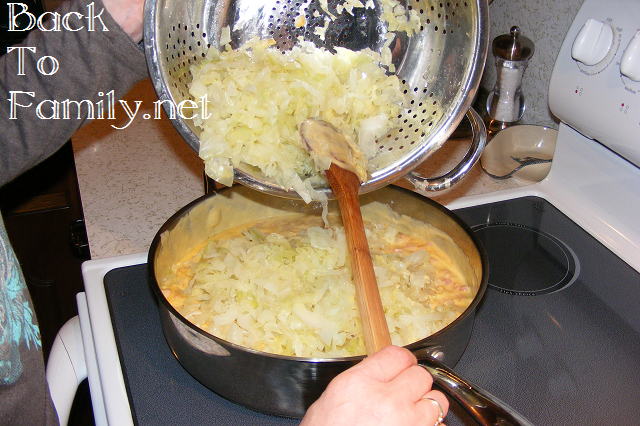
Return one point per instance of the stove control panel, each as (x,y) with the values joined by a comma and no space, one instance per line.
(630,62)
(595,84)
(593,42)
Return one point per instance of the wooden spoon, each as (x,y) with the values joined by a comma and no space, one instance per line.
(322,138)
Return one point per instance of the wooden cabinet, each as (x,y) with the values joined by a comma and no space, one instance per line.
(44,221)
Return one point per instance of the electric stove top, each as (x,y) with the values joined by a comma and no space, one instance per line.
(557,335)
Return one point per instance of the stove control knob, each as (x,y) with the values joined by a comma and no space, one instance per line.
(630,62)
(593,42)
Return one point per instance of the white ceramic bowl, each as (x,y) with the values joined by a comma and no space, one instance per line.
(520,142)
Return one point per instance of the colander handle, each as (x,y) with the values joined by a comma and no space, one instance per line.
(457,173)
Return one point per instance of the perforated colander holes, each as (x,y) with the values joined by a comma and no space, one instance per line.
(417,119)
(282,23)
(180,55)
(284,17)
(290,20)
(436,15)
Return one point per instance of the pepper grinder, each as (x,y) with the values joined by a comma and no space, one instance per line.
(505,103)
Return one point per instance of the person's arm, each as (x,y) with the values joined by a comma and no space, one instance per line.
(128,14)
(387,388)
(94,66)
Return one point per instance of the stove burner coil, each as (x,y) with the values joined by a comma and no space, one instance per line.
(524,261)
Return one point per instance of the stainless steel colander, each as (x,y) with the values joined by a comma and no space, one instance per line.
(441,65)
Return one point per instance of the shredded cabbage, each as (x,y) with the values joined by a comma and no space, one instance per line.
(287,288)
(394,14)
(396,17)
(261,95)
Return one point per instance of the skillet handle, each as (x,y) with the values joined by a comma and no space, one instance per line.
(485,408)
(458,172)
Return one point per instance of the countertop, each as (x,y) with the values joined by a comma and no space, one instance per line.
(132,180)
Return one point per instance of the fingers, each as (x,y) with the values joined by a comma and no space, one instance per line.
(387,388)
(435,405)
(386,364)
(413,383)
(398,367)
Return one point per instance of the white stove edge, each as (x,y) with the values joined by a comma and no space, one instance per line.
(587,194)
(108,392)
(590,184)
(91,363)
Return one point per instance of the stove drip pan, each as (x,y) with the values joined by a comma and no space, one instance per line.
(525,261)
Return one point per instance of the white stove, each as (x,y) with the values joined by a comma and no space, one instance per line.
(594,185)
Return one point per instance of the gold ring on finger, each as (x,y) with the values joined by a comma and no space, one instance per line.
(440,412)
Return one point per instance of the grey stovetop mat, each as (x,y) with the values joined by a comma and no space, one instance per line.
(160,391)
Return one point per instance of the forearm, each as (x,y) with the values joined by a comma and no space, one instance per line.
(91,64)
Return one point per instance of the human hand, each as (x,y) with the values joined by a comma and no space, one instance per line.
(129,15)
(387,388)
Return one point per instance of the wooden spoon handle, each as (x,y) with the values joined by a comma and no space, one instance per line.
(345,185)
